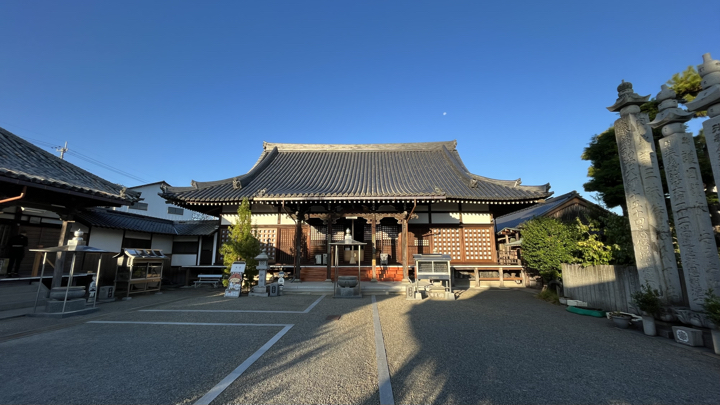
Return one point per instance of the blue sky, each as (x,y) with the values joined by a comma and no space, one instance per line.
(189,90)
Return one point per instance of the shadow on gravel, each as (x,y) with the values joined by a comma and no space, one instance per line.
(505,346)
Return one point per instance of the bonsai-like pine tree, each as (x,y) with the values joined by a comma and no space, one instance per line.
(241,244)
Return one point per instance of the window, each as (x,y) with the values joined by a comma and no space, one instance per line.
(175,211)
(139,206)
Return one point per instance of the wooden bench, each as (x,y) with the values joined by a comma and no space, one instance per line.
(213,279)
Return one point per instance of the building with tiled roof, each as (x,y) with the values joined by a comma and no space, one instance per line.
(400,199)
(40,193)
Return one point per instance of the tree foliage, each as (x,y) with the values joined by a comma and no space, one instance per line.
(687,85)
(590,250)
(604,171)
(241,243)
(546,244)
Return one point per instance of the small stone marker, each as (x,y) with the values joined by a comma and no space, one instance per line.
(688,336)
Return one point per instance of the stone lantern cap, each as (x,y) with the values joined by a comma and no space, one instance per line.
(710,73)
(669,111)
(627,97)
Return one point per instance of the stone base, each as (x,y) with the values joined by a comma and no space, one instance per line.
(65,314)
(688,336)
(70,306)
(258,291)
(666,333)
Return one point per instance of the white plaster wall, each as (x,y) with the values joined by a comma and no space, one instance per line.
(106,239)
(286,220)
(183,260)
(157,207)
(476,218)
(228,219)
(446,217)
(264,219)
(162,242)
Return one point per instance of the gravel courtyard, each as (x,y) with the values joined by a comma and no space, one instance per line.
(489,346)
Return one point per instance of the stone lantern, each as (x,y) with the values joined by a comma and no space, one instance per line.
(260,290)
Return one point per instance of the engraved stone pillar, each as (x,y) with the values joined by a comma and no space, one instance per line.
(709,99)
(698,251)
(652,240)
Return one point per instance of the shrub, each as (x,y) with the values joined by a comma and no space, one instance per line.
(647,299)
(549,295)
(712,307)
(546,244)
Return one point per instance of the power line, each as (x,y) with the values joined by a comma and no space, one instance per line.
(105,166)
(79,155)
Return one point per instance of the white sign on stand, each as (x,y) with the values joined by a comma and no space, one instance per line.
(235,281)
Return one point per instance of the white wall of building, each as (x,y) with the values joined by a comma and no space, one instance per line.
(106,239)
(156,206)
(163,242)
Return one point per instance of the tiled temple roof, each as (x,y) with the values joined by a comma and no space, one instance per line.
(107,218)
(306,172)
(25,163)
(517,218)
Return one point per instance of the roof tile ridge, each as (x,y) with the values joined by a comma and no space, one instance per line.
(370,147)
(76,170)
(513,184)
(549,201)
(245,179)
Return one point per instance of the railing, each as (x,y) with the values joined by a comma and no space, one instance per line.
(509,257)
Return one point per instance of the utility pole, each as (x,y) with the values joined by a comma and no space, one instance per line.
(62,150)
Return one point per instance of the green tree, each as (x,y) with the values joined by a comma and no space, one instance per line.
(687,86)
(616,233)
(546,244)
(604,171)
(241,244)
(590,250)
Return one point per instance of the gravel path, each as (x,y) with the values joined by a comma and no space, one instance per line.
(489,346)
(504,346)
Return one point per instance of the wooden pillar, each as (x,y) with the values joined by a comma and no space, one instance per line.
(406,277)
(477,277)
(298,247)
(60,258)
(373,220)
(329,253)
(502,277)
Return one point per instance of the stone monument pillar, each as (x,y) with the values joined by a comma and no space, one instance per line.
(698,251)
(652,240)
(709,99)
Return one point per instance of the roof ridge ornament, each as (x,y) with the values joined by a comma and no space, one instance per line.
(473,183)
(194,184)
(236,184)
(122,192)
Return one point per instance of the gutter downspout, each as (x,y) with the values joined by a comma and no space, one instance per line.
(15,198)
